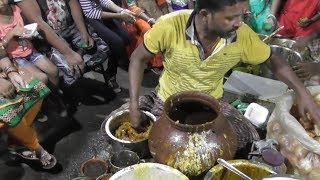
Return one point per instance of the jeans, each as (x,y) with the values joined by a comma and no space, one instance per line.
(112,32)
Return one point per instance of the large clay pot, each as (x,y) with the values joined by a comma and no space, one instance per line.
(192,133)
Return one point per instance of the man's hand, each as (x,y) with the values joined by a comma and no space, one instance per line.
(306,70)
(87,40)
(7,89)
(17,80)
(138,120)
(151,21)
(306,104)
(127,16)
(76,63)
(304,22)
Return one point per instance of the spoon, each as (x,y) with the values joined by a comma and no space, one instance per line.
(233,169)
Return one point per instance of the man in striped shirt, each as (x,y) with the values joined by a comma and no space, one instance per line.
(105,17)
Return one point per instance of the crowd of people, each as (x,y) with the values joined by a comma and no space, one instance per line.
(192,43)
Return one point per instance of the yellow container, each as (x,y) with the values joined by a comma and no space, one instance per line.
(255,171)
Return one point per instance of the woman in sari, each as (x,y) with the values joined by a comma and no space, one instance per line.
(137,30)
(20,101)
(300,19)
(257,16)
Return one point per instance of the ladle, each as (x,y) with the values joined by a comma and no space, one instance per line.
(233,169)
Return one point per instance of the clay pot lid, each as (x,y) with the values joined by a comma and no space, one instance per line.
(272,157)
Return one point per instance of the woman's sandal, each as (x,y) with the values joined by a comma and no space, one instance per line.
(46,157)
(27,154)
(24,153)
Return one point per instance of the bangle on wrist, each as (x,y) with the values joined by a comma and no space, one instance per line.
(11,71)
(272,16)
(6,68)
(121,9)
(138,14)
(150,19)
(3,43)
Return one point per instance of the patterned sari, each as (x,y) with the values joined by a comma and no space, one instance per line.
(12,110)
(137,31)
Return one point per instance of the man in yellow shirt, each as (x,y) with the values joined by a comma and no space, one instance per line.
(199,47)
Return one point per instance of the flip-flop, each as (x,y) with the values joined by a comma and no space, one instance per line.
(27,154)
(24,153)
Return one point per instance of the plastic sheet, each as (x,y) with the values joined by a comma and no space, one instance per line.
(302,151)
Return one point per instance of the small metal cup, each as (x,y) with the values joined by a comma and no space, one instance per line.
(123,159)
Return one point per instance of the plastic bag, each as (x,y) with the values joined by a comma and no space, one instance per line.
(302,151)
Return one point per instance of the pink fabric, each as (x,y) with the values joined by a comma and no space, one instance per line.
(16,47)
(292,11)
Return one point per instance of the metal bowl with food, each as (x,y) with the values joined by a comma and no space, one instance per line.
(149,171)
(252,170)
(140,146)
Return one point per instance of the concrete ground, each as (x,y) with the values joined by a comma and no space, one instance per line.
(73,140)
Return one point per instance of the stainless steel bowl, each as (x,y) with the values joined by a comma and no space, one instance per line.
(140,146)
(282,42)
(278,40)
(292,57)
(122,160)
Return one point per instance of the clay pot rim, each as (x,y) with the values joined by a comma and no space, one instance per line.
(102,162)
(205,100)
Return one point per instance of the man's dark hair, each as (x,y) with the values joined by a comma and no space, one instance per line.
(215,5)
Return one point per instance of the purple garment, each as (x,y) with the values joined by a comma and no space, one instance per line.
(177,7)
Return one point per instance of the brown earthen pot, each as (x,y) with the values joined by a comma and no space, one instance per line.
(192,133)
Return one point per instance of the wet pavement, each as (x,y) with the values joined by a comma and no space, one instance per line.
(77,139)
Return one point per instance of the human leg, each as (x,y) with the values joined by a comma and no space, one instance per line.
(43,63)
(24,135)
(31,69)
(22,132)
(116,43)
(117,47)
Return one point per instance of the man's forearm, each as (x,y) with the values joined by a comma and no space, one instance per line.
(30,9)
(77,16)
(284,72)
(136,70)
